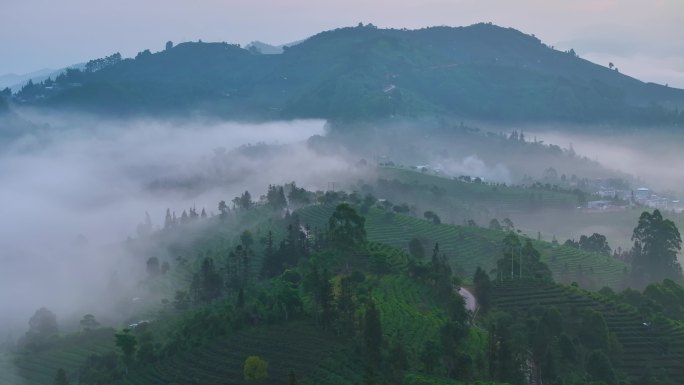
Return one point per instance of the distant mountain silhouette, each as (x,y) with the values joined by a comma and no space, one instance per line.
(268,49)
(481,71)
(10,80)
(264,48)
(16,82)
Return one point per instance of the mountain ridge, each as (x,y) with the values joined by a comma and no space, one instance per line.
(480,71)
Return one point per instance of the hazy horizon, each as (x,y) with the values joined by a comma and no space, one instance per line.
(642,42)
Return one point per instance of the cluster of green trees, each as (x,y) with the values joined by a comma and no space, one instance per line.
(548,346)
(299,242)
(657,299)
(657,243)
(274,199)
(153,268)
(595,243)
(5,96)
(506,225)
(544,345)
(98,64)
(520,261)
(255,368)
(170,220)
(653,256)
(43,330)
(431,216)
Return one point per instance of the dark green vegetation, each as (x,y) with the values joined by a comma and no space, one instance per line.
(645,346)
(371,287)
(481,71)
(468,247)
(39,365)
(656,244)
(470,198)
(327,310)
(4,100)
(534,206)
(347,290)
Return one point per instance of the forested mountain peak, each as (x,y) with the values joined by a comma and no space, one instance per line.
(481,71)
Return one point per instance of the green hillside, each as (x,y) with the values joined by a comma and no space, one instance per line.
(342,302)
(480,71)
(455,193)
(313,319)
(539,207)
(69,353)
(408,312)
(315,357)
(657,348)
(469,247)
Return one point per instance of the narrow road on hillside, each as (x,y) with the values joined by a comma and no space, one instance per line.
(470,301)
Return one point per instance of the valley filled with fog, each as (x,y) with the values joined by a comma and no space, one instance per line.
(79,188)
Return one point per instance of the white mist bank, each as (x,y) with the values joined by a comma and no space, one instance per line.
(474,166)
(94,181)
(69,190)
(655,157)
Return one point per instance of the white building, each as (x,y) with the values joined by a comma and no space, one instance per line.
(642,194)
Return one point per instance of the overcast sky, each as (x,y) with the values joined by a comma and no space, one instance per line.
(644,38)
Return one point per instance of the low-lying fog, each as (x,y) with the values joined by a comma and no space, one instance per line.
(76,186)
(653,156)
(72,190)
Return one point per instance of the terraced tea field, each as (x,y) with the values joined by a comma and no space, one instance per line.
(69,354)
(397,258)
(467,193)
(408,311)
(8,373)
(642,347)
(314,356)
(469,247)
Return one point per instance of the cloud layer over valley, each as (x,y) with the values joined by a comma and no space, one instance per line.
(73,191)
